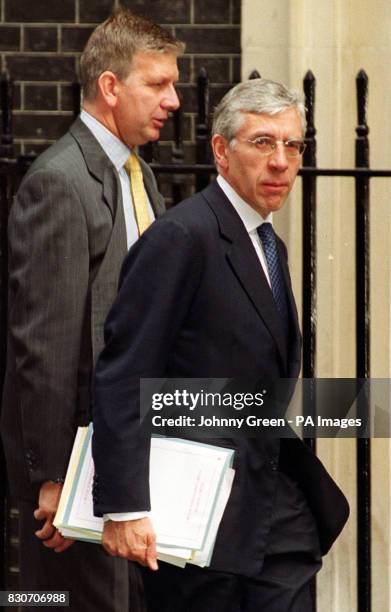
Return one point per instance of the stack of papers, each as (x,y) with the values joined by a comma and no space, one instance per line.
(190,483)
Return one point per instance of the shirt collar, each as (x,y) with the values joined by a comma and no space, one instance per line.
(250,217)
(114,148)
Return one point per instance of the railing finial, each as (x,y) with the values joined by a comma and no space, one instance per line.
(254,75)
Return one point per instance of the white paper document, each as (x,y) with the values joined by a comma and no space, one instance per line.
(185,479)
(190,483)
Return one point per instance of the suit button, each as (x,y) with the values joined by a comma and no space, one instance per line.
(273,465)
(32,460)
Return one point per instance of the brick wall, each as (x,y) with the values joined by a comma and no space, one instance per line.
(41,40)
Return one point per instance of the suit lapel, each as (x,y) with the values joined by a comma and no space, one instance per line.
(154,197)
(98,164)
(102,170)
(245,264)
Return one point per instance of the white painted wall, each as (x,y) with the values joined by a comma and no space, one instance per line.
(282,39)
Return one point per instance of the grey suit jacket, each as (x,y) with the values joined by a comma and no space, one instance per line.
(67,241)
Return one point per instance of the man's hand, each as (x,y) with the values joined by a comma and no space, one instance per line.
(134,540)
(49,497)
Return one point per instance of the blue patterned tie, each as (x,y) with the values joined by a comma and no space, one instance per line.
(269,244)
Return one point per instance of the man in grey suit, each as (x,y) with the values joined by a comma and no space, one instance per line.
(73,219)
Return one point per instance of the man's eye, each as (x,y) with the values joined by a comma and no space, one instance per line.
(262,141)
(295,145)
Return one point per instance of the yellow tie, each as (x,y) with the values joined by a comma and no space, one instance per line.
(140,204)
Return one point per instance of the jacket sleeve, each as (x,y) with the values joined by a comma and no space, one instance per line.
(48,283)
(158,281)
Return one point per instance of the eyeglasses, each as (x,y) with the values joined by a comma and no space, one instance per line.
(266,145)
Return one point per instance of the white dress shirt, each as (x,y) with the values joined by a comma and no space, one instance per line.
(118,153)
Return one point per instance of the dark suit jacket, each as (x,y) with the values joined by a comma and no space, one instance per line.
(67,241)
(194,302)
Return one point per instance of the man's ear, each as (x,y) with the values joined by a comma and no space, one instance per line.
(108,86)
(220,148)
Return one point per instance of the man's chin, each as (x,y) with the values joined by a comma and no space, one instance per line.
(152,135)
(270,206)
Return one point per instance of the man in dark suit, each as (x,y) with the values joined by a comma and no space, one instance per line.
(73,219)
(219,303)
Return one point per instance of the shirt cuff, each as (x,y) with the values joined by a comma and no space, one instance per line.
(125,516)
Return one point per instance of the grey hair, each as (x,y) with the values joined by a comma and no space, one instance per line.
(254,96)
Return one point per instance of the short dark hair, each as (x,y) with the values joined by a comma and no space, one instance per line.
(113,44)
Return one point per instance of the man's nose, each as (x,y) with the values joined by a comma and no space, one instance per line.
(278,159)
(171,100)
